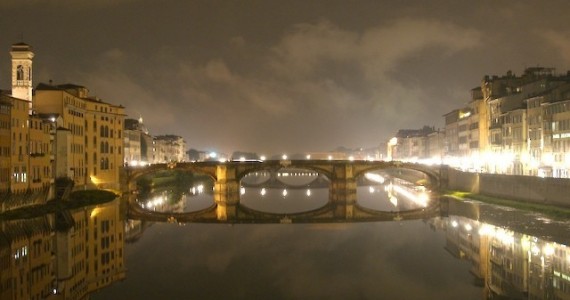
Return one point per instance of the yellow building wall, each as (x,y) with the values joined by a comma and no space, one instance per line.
(105,143)
(5,144)
(39,152)
(19,139)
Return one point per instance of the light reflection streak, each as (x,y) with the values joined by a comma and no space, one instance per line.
(374,177)
(420,199)
(394,201)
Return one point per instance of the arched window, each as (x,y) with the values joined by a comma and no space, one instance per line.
(102,147)
(106,147)
(20,72)
(102,131)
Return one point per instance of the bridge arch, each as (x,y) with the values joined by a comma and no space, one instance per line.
(134,173)
(432,175)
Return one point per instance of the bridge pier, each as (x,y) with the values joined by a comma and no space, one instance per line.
(342,191)
(226,192)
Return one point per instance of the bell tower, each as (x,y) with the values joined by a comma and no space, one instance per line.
(22,72)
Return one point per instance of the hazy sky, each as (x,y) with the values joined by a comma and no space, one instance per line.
(284,76)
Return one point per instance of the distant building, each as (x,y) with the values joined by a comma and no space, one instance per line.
(169,148)
(410,144)
(197,155)
(138,143)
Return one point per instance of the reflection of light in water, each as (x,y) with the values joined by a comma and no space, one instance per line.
(468,227)
(506,237)
(371,190)
(421,199)
(284,193)
(486,229)
(242,191)
(454,223)
(309,193)
(374,177)
(548,250)
(535,251)
(501,234)
(153,202)
(394,200)
(197,189)
(263,192)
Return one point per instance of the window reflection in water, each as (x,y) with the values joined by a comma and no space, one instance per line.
(74,253)
(65,255)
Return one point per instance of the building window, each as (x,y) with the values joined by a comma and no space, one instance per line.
(20,72)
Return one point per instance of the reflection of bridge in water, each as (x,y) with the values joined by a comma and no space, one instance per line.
(341,207)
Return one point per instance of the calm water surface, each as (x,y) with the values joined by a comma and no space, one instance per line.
(472,251)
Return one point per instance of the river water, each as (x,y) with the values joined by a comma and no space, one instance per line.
(471,251)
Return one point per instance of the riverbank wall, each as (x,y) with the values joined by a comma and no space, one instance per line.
(549,191)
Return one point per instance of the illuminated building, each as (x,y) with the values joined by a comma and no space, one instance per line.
(138,143)
(22,56)
(5,143)
(169,148)
(94,145)
(516,125)
(517,134)
(415,144)
(25,141)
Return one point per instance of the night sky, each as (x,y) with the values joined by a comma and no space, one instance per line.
(284,76)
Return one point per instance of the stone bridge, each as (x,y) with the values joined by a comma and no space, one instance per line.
(227,175)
